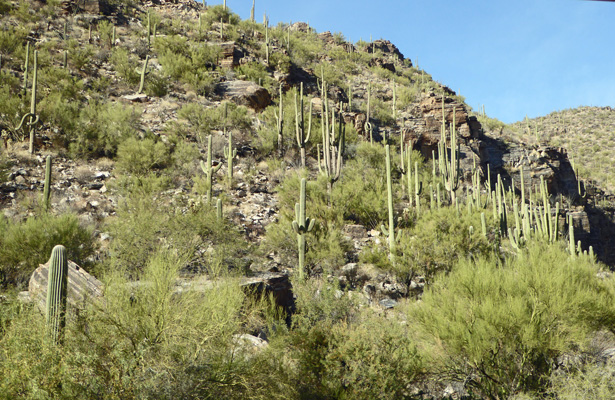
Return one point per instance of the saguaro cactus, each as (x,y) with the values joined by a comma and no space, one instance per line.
(143,72)
(301,225)
(46,188)
(219,210)
(333,150)
(449,167)
(56,293)
(230,153)
(209,170)
(390,232)
(34,118)
(302,136)
(279,116)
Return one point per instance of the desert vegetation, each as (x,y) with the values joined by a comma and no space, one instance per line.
(415,270)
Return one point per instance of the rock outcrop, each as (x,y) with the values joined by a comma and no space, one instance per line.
(245,93)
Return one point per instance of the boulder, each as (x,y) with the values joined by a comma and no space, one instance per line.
(82,287)
(245,93)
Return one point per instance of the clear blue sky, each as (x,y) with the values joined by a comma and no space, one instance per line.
(518,58)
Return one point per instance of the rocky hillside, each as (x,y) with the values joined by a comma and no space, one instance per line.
(585,133)
(179,137)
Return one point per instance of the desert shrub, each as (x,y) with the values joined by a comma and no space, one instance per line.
(217,13)
(439,239)
(13,107)
(24,12)
(266,141)
(492,124)
(191,228)
(79,54)
(13,39)
(588,382)
(304,48)
(227,115)
(406,95)
(319,308)
(139,157)
(5,6)
(499,327)
(362,191)
(186,61)
(145,341)
(253,71)
(60,80)
(280,62)
(332,75)
(382,111)
(26,244)
(101,128)
(124,64)
(372,358)
(337,351)
(105,31)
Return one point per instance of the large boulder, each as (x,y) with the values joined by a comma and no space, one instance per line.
(82,287)
(245,93)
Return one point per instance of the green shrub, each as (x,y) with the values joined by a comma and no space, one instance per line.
(5,6)
(13,39)
(146,341)
(439,239)
(588,382)
(253,71)
(217,13)
(186,61)
(337,351)
(203,120)
(144,225)
(102,127)
(125,65)
(362,193)
(140,157)
(25,245)
(372,358)
(304,49)
(500,327)
(13,107)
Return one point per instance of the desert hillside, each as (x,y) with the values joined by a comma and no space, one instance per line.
(197,206)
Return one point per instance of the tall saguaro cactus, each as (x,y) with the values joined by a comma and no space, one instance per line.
(302,136)
(230,153)
(279,116)
(46,188)
(143,72)
(368,125)
(332,150)
(56,293)
(209,170)
(449,166)
(390,232)
(34,118)
(301,225)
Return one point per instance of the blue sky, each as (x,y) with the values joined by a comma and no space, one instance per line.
(518,58)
